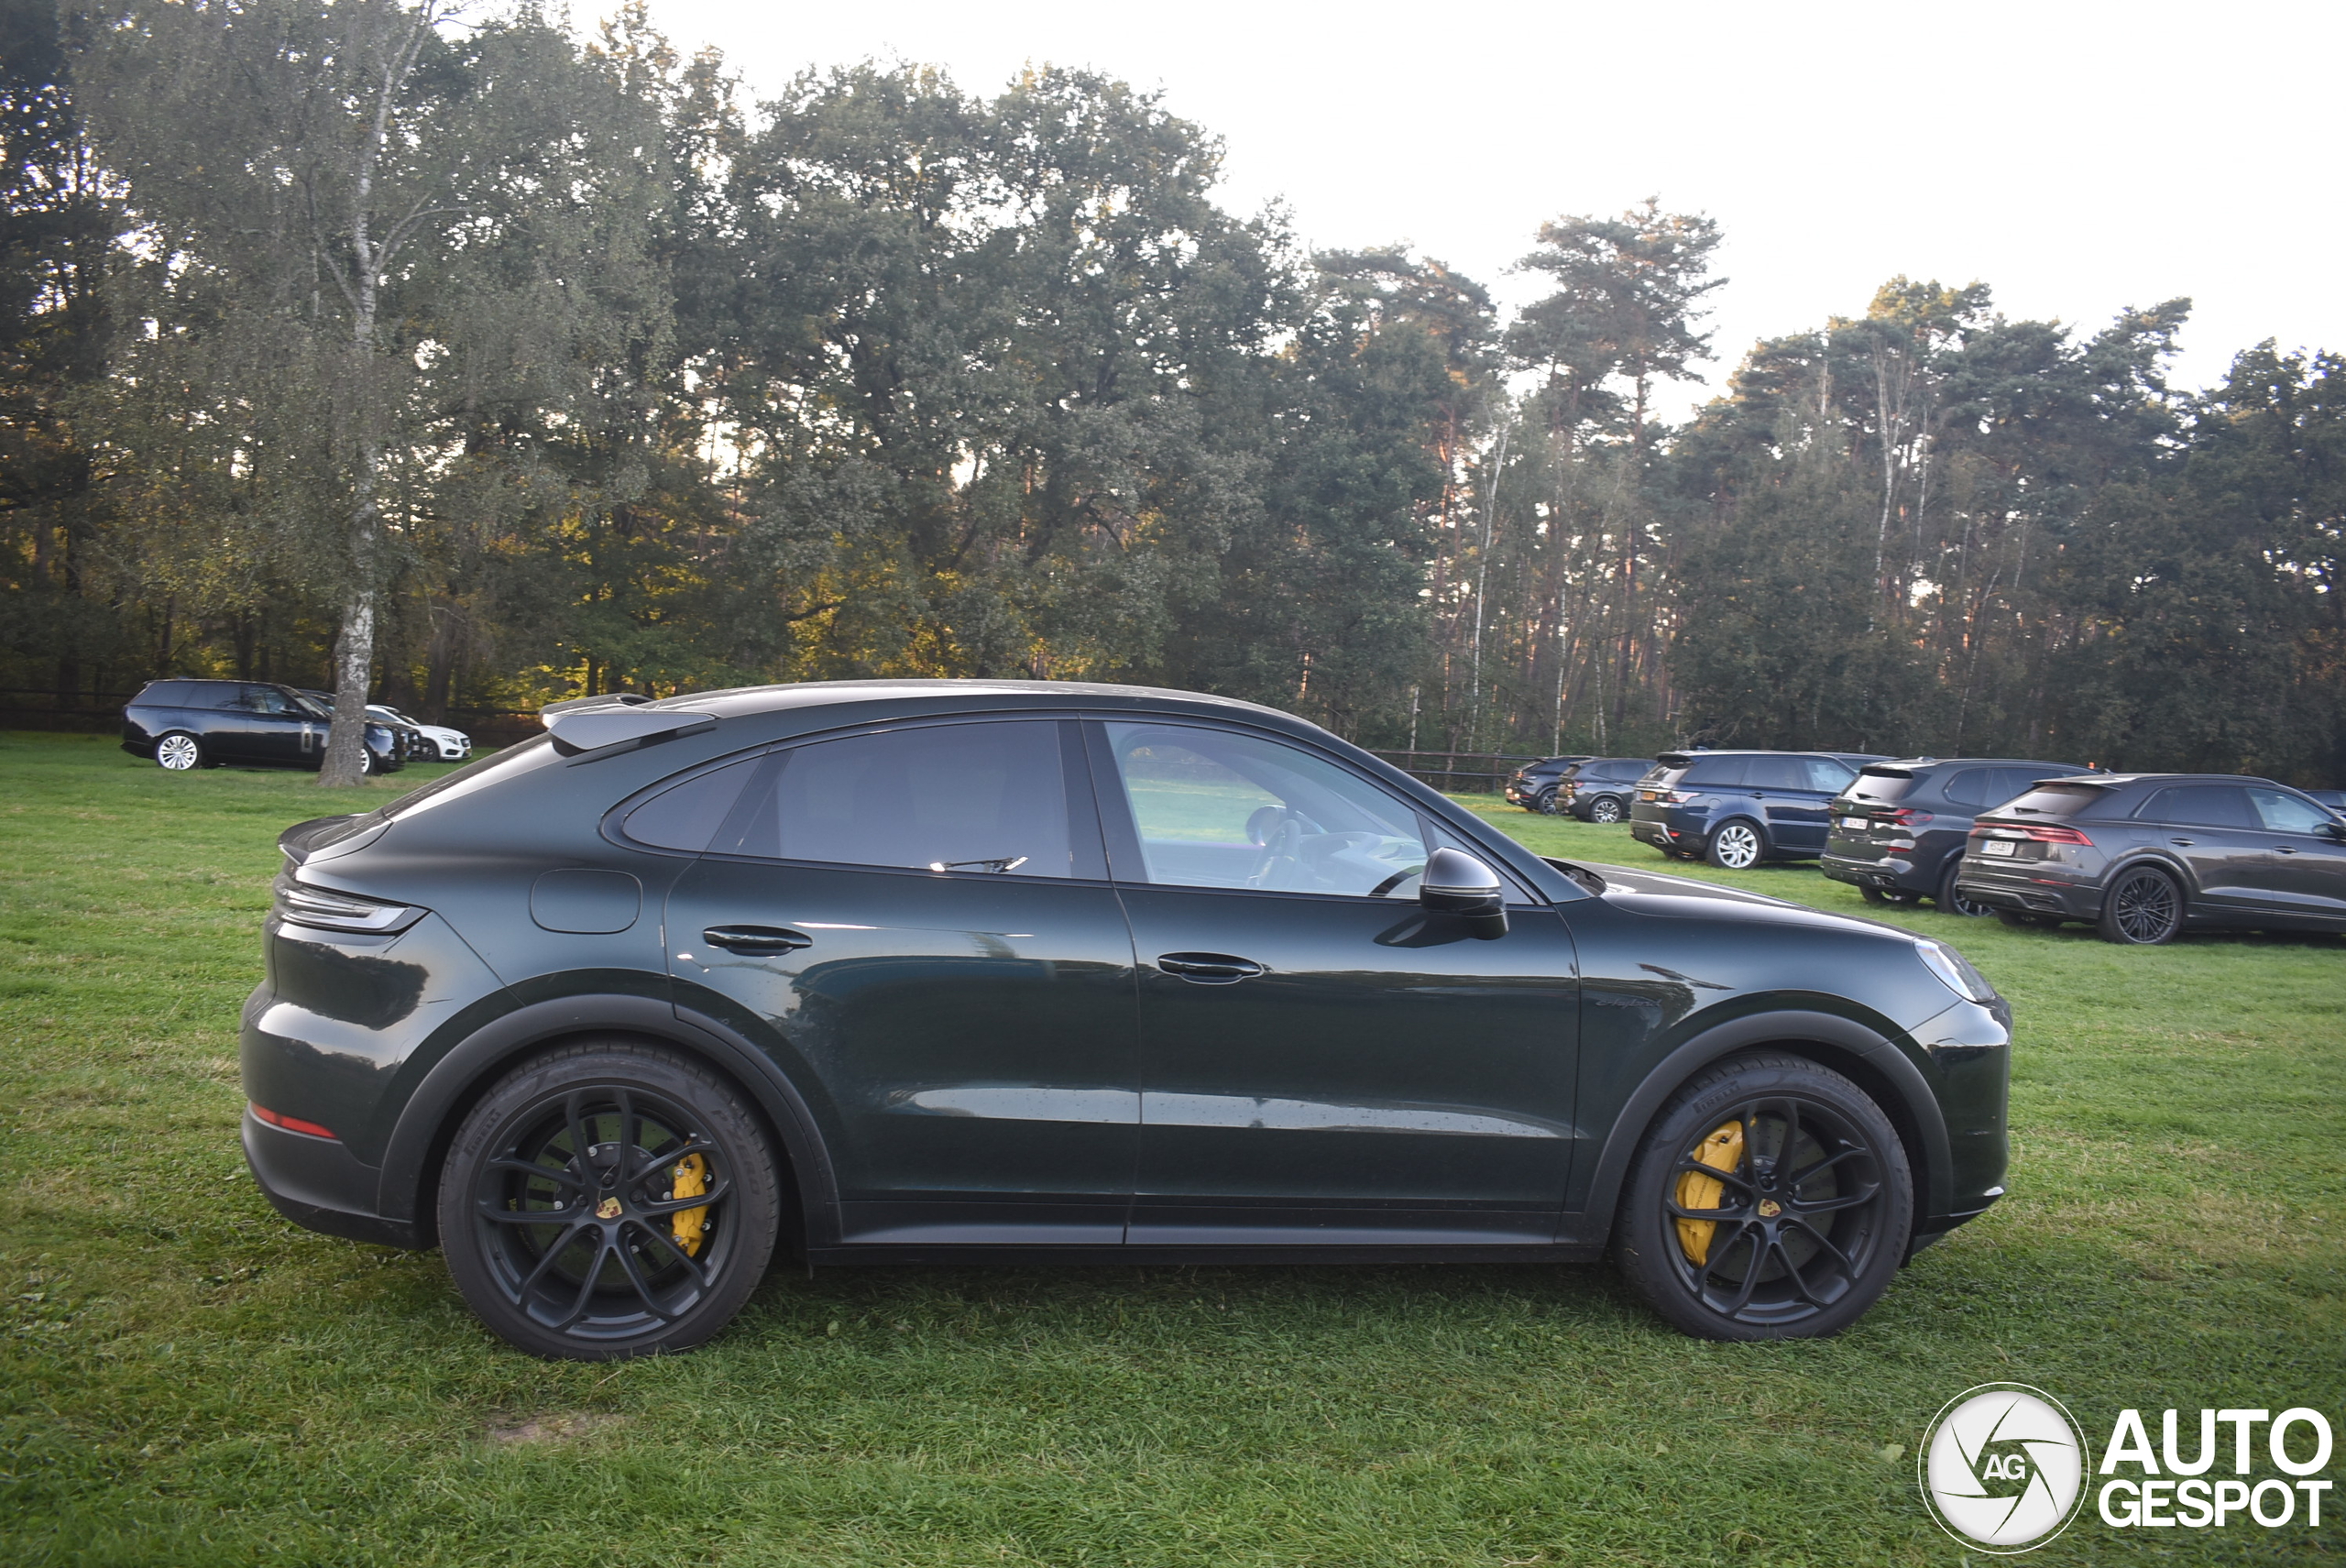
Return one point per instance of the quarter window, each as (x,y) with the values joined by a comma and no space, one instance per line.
(686,815)
(1218,809)
(955,797)
(1971,786)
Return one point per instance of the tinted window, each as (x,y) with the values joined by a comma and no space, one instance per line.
(267,699)
(974,797)
(211,694)
(687,816)
(2057,800)
(1974,787)
(2199,805)
(2286,814)
(1714,771)
(1217,809)
(1827,775)
(163,694)
(1774,772)
(1883,784)
(1621,773)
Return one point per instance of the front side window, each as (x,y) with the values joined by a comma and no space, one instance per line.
(266,699)
(1827,775)
(952,797)
(1219,809)
(2288,814)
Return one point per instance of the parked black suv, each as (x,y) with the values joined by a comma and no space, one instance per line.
(1600,789)
(612,1015)
(1533,786)
(1738,808)
(203,723)
(2145,855)
(1898,832)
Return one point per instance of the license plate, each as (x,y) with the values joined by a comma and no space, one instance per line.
(1999,847)
(1856,824)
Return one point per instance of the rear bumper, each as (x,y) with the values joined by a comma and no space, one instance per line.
(320,1185)
(2025,894)
(1889,874)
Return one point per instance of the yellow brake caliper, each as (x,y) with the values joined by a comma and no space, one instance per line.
(1722,1150)
(692,1180)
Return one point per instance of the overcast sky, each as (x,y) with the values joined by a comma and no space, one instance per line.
(2079,157)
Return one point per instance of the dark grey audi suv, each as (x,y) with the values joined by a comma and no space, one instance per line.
(932,972)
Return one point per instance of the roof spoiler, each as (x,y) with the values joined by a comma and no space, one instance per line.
(590,726)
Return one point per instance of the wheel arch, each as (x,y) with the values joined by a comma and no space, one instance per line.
(1868,1058)
(419,1140)
(1759,830)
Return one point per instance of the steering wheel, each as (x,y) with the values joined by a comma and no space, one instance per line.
(1278,848)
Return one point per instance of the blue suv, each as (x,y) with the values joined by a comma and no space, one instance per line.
(1738,808)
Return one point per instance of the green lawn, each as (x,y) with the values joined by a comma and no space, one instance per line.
(189,1379)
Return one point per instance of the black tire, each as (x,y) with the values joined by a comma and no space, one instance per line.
(1736,845)
(1607,809)
(1952,902)
(177,751)
(603,1282)
(1840,1221)
(1544,803)
(2142,907)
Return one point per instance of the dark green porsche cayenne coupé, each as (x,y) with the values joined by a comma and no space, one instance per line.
(935,971)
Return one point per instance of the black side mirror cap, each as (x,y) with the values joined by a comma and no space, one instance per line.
(1456,884)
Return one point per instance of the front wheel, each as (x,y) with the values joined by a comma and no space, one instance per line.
(2143,908)
(179,752)
(1737,846)
(1605,808)
(1770,1199)
(607,1200)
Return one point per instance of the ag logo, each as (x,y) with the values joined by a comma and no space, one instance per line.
(2003,1467)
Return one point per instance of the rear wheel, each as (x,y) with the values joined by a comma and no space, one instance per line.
(1770,1199)
(1606,809)
(609,1200)
(1544,803)
(1951,900)
(179,752)
(1737,846)
(2143,908)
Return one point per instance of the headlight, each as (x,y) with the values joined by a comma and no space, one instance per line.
(1954,973)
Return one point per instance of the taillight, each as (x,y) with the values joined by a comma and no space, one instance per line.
(292,1123)
(300,903)
(2043,833)
(1905,816)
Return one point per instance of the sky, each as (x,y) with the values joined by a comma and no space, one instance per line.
(2077,157)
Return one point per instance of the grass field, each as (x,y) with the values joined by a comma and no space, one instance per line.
(188,1379)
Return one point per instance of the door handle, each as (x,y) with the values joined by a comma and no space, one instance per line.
(2185,842)
(2285,848)
(1209,969)
(755,938)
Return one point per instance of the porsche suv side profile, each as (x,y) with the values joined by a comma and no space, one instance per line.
(614,1016)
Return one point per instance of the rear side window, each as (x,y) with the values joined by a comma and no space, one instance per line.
(1774,772)
(2057,800)
(210,694)
(686,815)
(1715,772)
(963,797)
(1974,787)
(1621,773)
(2199,805)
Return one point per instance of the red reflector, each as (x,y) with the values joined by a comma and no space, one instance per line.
(291,1123)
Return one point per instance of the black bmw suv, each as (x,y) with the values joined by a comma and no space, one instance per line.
(2145,856)
(1897,833)
(612,1015)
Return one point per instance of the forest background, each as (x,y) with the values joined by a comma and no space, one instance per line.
(483,362)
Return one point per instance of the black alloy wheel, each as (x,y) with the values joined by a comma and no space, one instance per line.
(1606,809)
(2143,908)
(179,752)
(1951,900)
(1544,803)
(1770,1199)
(609,1200)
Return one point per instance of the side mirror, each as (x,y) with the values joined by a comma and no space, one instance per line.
(1454,883)
(2334,830)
